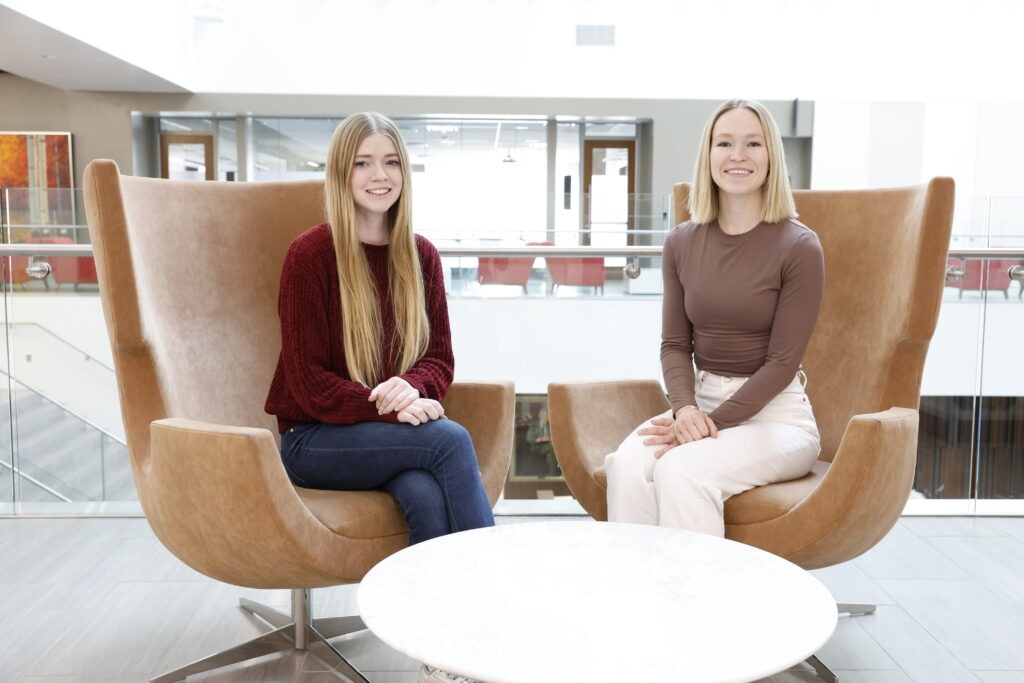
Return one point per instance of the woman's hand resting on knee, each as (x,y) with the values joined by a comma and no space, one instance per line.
(421,411)
(393,395)
(661,434)
(690,425)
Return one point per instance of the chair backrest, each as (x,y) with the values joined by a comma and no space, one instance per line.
(885,259)
(503,270)
(584,271)
(189,280)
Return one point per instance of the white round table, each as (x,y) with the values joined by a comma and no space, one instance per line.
(589,602)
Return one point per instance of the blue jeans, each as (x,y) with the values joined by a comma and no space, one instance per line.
(431,469)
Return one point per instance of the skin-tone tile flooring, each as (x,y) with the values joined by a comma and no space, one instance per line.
(100,600)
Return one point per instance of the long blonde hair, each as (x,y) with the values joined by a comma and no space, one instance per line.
(776,195)
(360,302)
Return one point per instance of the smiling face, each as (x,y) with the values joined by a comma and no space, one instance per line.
(739,153)
(376,177)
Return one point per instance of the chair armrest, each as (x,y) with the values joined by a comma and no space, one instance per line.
(858,500)
(588,421)
(487,410)
(219,498)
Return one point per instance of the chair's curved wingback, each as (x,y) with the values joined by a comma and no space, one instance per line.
(189,274)
(885,257)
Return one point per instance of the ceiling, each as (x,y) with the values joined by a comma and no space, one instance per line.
(40,53)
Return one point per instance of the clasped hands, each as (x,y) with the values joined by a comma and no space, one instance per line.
(689,425)
(398,396)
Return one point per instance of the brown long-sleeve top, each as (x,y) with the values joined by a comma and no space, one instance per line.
(311,382)
(739,306)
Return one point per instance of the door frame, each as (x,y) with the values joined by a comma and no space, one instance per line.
(168,139)
(589,145)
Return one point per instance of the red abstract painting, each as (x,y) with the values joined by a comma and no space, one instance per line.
(36,185)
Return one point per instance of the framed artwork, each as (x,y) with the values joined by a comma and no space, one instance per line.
(37,184)
(533,456)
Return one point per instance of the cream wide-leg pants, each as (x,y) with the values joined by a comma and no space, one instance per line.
(687,487)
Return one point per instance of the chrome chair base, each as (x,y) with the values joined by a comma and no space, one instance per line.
(820,670)
(297,644)
(856,608)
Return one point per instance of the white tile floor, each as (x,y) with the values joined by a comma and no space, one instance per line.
(91,600)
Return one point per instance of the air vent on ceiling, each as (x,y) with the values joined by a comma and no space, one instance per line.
(595,34)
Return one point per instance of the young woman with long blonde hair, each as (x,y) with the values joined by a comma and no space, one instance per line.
(366,351)
(743,283)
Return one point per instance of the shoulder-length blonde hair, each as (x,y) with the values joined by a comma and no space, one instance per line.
(360,302)
(776,195)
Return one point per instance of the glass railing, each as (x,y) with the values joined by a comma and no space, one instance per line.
(515,309)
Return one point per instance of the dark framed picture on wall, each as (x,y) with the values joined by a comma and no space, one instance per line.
(533,457)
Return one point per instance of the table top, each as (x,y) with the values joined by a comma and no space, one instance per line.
(587,601)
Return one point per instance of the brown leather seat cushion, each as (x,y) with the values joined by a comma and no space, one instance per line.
(768,502)
(355,514)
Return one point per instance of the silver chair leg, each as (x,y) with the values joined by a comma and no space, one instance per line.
(854,608)
(822,671)
(329,627)
(274,617)
(298,636)
(275,641)
(332,627)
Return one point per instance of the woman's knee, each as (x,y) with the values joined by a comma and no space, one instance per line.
(452,442)
(681,482)
(448,431)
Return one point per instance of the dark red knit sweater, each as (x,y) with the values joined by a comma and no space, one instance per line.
(311,383)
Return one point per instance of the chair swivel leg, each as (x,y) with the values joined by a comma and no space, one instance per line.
(298,636)
(329,627)
(823,672)
(854,609)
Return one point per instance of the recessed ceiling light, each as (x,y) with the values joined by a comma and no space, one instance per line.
(49,56)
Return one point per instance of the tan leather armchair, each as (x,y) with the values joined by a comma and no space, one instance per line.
(188,275)
(885,257)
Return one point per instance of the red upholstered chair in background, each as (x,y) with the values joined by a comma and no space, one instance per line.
(74,270)
(986,275)
(577,272)
(19,264)
(954,263)
(503,270)
(16,269)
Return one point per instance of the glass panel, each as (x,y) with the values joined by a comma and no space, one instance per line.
(567,184)
(186,161)
(65,432)
(1000,439)
(7,460)
(949,390)
(624,131)
(185,125)
(609,196)
(227,149)
(291,149)
(564,277)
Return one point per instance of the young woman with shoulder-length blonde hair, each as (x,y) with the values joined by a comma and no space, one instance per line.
(743,282)
(776,196)
(366,352)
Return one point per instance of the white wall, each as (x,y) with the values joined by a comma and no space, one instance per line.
(860,144)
